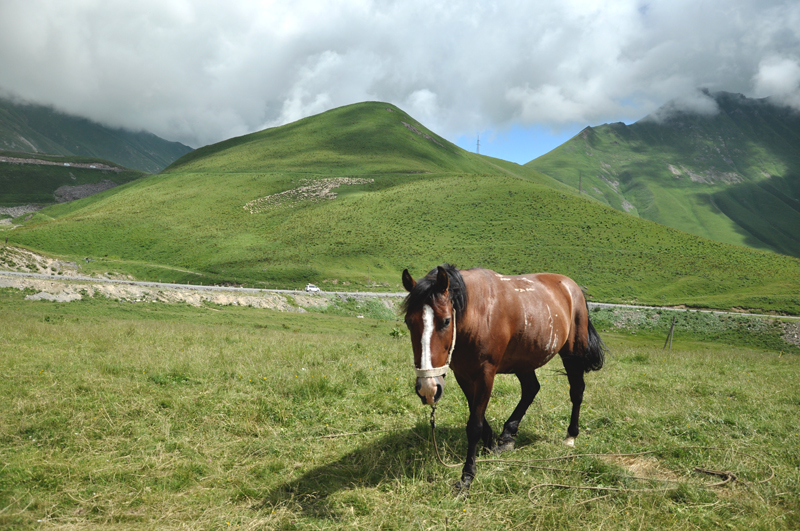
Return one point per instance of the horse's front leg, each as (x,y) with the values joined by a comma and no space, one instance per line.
(477,393)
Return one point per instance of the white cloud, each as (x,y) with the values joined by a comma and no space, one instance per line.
(696,102)
(423,105)
(200,72)
(779,77)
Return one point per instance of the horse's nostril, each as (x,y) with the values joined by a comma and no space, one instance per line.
(438,394)
(418,386)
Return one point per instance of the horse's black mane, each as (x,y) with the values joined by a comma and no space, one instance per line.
(426,288)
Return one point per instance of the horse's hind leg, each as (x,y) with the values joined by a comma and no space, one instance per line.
(574,368)
(488,435)
(530,386)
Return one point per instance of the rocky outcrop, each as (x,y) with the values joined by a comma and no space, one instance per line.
(66,193)
(17,211)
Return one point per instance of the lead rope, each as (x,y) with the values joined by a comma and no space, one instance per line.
(433,435)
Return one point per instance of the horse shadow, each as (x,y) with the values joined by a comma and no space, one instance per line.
(381,462)
(406,454)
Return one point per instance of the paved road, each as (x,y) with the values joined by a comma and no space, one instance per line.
(162,285)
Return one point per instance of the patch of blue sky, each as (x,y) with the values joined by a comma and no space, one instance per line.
(520,144)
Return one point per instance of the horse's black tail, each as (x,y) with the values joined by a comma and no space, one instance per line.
(595,354)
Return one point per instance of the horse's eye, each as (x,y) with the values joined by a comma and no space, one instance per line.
(446,323)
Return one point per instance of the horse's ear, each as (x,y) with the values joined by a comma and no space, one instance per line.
(408,280)
(442,280)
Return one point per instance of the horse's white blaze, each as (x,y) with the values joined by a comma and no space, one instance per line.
(428,386)
(427,334)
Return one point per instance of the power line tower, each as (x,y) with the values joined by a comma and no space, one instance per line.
(478,147)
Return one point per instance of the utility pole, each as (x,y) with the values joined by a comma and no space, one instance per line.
(478,148)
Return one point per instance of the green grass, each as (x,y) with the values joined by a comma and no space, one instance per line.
(168,416)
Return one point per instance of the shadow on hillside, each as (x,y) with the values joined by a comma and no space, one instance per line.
(766,213)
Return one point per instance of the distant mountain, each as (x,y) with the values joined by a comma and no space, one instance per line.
(732,176)
(39,129)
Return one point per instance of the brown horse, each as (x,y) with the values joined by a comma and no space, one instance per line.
(481,323)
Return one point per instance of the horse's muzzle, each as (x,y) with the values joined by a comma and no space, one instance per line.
(430,389)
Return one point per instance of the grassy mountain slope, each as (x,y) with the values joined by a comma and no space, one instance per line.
(39,129)
(412,203)
(27,183)
(733,176)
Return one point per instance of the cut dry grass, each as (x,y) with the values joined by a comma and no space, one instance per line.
(171,417)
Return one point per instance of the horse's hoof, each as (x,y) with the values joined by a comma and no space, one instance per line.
(461,487)
(504,446)
(569,441)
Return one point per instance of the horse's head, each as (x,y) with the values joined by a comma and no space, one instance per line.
(431,320)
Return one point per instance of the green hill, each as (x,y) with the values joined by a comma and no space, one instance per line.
(355,195)
(733,176)
(367,138)
(40,129)
(34,179)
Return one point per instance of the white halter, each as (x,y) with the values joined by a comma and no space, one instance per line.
(440,371)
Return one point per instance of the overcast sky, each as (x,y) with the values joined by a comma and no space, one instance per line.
(525,75)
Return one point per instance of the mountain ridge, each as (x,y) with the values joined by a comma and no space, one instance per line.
(732,176)
(41,129)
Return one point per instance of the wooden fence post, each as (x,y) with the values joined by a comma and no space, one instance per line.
(669,336)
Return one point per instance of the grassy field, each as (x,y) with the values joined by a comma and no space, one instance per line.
(145,416)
